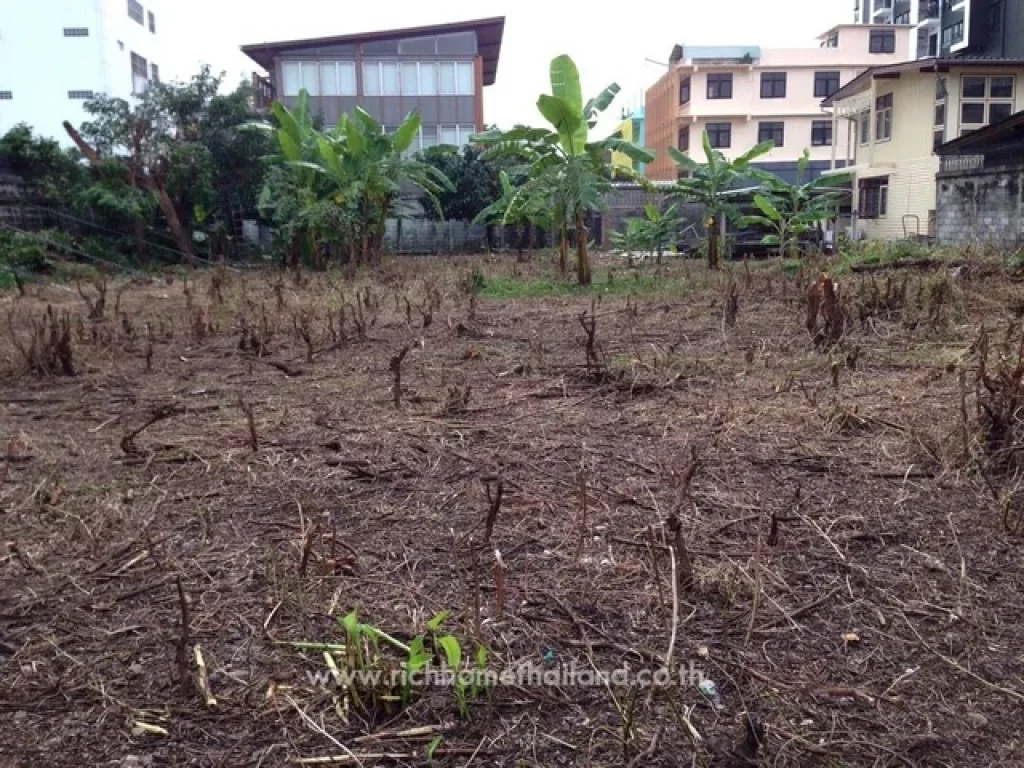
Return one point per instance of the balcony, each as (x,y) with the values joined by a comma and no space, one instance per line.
(931,12)
(262,92)
(882,11)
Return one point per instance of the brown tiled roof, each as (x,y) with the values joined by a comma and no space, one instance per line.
(489,33)
(920,65)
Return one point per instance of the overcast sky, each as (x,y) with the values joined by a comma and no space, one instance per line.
(609,45)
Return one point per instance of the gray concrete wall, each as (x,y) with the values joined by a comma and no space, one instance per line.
(985,205)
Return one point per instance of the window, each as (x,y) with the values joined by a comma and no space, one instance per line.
(337,78)
(774,131)
(985,100)
(428,136)
(683,139)
(933,45)
(720,86)
(456,135)
(720,135)
(902,19)
(154,71)
(882,41)
(456,78)
(825,84)
(389,79)
(821,133)
(883,118)
(428,79)
(864,128)
(684,91)
(80,95)
(152,22)
(832,41)
(874,198)
(773,85)
(135,11)
(76,31)
(6,95)
(953,34)
(409,74)
(140,74)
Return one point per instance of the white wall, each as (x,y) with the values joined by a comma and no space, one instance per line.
(39,65)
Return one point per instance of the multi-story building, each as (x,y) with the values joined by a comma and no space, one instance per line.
(896,116)
(56,55)
(439,70)
(632,128)
(742,96)
(948,28)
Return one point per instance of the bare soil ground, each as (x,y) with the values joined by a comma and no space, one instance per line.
(876,622)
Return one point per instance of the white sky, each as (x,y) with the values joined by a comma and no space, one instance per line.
(608,45)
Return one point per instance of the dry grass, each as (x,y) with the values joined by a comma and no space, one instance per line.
(845,573)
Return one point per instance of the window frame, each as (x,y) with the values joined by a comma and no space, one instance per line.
(680,134)
(883,118)
(772,127)
(76,32)
(720,129)
(6,95)
(873,198)
(140,73)
(719,82)
(987,100)
(882,41)
(83,95)
(827,139)
(151,21)
(825,78)
(136,12)
(864,122)
(773,80)
(685,84)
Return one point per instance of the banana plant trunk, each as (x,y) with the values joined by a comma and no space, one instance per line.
(582,256)
(563,250)
(714,242)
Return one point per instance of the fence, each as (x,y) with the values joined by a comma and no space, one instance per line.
(423,236)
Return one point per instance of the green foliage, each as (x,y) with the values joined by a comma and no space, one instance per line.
(710,184)
(791,210)
(474,179)
(41,162)
(655,232)
(563,171)
(333,191)
(22,252)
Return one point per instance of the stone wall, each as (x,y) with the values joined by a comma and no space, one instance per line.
(984,205)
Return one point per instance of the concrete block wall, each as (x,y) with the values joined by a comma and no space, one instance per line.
(982,206)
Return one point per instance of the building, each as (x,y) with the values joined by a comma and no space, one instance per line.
(980,187)
(744,95)
(949,28)
(632,128)
(54,56)
(896,117)
(439,70)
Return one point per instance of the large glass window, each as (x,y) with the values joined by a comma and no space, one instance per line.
(986,99)
(428,79)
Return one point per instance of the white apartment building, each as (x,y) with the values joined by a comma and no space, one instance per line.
(741,96)
(57,54)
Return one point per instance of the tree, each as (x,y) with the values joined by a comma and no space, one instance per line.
(709,183)
(561,161)
(337,188)
(474,178)
(791,210)
(180,144)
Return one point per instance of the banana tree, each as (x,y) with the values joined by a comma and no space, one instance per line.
(709,184)
(337,188)
(791,210)
(513,208)
(562,162)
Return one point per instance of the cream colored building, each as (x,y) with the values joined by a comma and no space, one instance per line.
(744,95)
(893,117)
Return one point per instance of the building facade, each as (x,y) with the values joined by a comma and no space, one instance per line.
(949,28)
(897,116)
(632,128)
(55,56)
(741,96)
(980,187)
(440,71)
